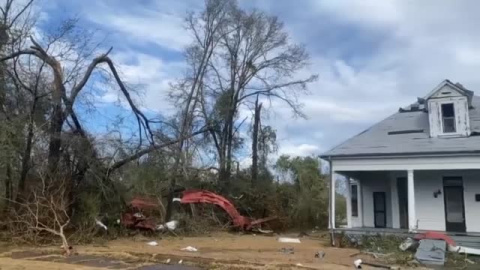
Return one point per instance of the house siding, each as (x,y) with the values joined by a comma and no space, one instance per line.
(471,186)
(431,211)
(375,183)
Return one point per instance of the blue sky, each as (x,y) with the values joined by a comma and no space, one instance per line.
(371,56)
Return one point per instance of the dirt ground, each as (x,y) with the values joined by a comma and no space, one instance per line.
(219,251)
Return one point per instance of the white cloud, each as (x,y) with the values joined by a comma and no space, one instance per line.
(131,23)
(165,30)
(148,74)
(373,13)
(390,53)
(300,150)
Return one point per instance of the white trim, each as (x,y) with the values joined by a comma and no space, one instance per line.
(401,164)
(412,218)
(442,124)
(332,198)
(441,85)
(461,116)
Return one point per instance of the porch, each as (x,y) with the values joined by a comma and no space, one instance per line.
(432,195)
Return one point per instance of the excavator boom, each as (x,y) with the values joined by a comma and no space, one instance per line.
(204,196)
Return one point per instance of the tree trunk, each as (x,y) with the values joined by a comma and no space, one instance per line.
(56,122)
(27,153)
(8,186)
(55,142)
(230,124)
(256,126)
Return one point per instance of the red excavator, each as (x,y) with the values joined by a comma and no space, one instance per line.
(135,218)
(239,221)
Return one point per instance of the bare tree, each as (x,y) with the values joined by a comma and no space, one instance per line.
(206,29)
(15,22)
(45,211)
(63,105)
(254,58)
(33,84)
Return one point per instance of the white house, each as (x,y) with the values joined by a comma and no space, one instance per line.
(419,169)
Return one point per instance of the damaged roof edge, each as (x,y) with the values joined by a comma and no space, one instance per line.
(402,155)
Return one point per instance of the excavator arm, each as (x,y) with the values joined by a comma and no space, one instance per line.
(204,196)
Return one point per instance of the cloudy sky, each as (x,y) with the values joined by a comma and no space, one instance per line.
(371,56)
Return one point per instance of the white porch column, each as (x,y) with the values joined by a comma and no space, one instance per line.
(332,197)
(412,217)
(349,203)
(395,204)
(360,202)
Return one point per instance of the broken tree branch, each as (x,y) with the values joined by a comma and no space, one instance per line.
(152,148)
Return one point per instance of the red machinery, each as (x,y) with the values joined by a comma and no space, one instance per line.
(203,196)
(135,217)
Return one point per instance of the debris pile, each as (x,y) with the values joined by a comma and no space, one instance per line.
(432,248)
(431,252)
(428,248)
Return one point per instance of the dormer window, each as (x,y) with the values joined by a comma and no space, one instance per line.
(448,118)
(448,108)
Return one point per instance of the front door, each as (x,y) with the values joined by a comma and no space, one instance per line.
(379,209)
(403,201)
(454,204)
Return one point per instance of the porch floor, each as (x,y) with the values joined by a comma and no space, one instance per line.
(468,239)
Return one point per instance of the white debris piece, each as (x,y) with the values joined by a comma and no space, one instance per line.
(180,262)
(189,248)
(152,243)
(99,223)
(358,264)
(171,225)
(406,244)
(176,200)
(320,254)
(167,261)
(464,250)
(138,215)
(469,261)
(299,264)
(288,240)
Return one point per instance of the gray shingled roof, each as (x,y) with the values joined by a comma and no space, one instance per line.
(376,140)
